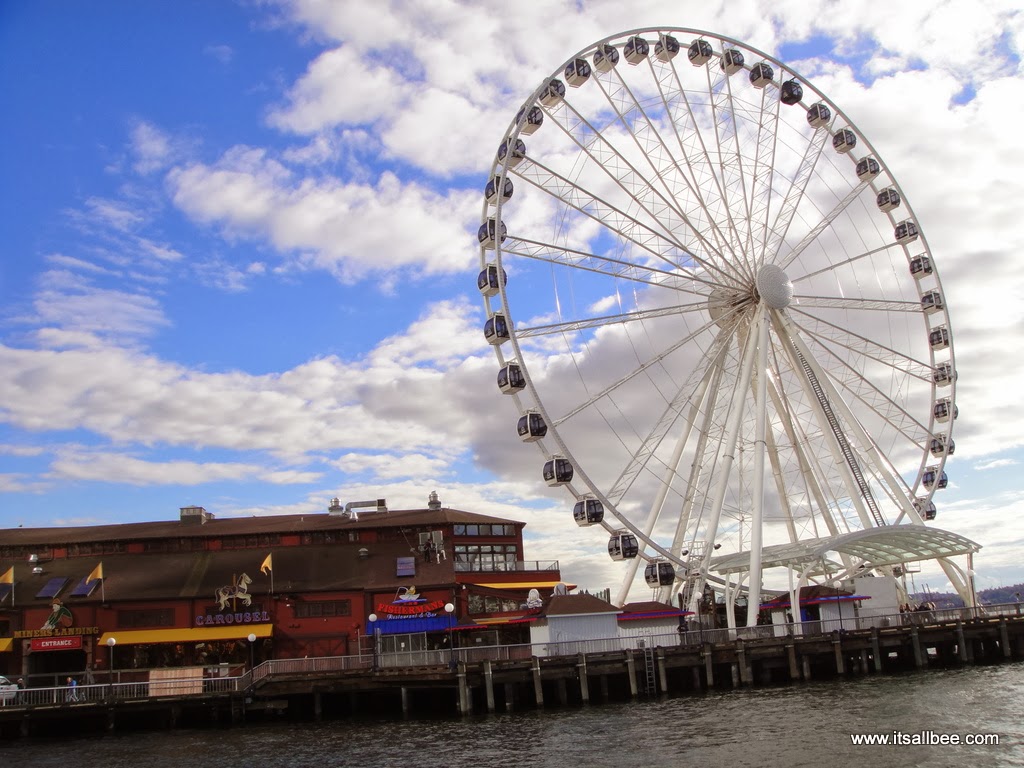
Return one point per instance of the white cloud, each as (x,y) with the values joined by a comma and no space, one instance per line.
(351,230)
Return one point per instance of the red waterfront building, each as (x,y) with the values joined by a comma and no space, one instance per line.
(202,591)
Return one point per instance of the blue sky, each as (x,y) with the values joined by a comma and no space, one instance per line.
(239,253)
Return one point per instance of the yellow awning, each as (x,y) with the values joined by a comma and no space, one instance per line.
(525,585)
(6,643)
(190,635)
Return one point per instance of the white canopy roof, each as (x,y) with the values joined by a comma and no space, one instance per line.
(888,545)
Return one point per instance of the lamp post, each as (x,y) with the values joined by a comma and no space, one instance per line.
(376,638)
(252,641)
(449,608)
(111,642)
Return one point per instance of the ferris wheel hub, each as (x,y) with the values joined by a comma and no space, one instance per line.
(774,286)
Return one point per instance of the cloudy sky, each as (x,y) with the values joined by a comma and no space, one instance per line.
(239,255)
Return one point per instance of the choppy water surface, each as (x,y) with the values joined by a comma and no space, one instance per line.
(799,725)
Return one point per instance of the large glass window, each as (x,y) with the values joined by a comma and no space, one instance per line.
(487,557)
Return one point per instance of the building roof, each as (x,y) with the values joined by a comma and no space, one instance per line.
(575,605)
(233,526)
(198,575)
(650,609)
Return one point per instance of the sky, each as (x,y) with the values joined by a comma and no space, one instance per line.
(239,246)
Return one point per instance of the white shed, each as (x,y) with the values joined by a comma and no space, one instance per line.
(569,624)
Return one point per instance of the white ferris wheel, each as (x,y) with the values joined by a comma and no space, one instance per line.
(717,316)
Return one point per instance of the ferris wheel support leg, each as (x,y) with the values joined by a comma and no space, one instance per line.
(666,484)
(757,496)
(729,450)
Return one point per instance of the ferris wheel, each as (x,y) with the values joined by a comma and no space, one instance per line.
(714,309)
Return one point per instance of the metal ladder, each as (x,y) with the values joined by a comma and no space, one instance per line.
(844,444)
(651,683)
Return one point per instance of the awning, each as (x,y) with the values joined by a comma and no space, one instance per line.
(6,643)
(524,585)
(190,635)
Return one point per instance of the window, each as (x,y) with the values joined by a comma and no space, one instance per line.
(485,529)
(487,557)
(325,608)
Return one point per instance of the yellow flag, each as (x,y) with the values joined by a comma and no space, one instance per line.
(268,563)
(8,578)
(97,573)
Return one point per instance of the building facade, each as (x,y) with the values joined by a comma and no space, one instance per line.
(226,593)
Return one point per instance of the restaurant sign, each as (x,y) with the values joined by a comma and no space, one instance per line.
(240,617)
(58,632)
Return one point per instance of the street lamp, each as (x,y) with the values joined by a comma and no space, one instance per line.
(111,642)
(450,610)
(252,640)
(376,638)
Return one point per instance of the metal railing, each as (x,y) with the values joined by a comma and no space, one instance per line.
(83,695)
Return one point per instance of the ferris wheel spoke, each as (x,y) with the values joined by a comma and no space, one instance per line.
(870,305)
(567,326)
(692,392)
(846,458)
(869,392)
(704,181)
(764,173)
(871,459)
(679,184)
(730,166)
(795,195)
(647,195)
(824,330)
(658,244)
(642,368)
(837,266)
(602,264)
(827,220)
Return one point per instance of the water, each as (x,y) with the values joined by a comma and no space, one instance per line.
(798,725)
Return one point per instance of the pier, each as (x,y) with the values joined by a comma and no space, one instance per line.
(487,679)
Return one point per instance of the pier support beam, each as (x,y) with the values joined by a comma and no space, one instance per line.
(876,649)
(581,670)
(631,672)
(510,697)
(805,663)
(794,670)
(709,665)
(318,711)
(538,688)
(405,701)
(915,641)
(662,673)
(465,703)
(489,684)
(961,642)
(837,649)
(1004,638)
(741,662)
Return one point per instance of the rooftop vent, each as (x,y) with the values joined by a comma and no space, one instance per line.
(433,502)
(377,505)
(335,507)
(195,516)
